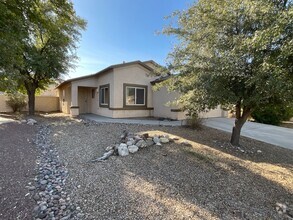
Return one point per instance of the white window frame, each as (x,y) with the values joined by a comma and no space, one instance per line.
(135,88)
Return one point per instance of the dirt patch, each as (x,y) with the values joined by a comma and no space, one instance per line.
(287,124)
(18,155)
(207,180)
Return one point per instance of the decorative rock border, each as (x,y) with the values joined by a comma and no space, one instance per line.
(52,201)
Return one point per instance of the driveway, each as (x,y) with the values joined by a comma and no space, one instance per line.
(5,120)
(279,136)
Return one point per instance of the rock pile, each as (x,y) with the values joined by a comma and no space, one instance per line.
(29,121)
(131,143)
(48,188)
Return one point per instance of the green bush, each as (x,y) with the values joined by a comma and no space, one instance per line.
(273,115)
(16,101)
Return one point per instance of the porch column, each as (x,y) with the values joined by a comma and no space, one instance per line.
(74,108)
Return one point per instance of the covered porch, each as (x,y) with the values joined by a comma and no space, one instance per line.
(83,99)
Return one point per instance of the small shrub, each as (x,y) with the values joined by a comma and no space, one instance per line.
(16,101)
(194,122)
(273,115)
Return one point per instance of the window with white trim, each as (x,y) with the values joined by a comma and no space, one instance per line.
(135,95)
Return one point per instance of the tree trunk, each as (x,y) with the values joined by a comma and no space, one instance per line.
(235,138)
(239,122)
(31,100)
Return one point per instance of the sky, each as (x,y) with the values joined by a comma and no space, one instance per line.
(123,30)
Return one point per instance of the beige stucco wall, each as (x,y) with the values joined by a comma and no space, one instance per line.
(79,93)
(103,79)
(90,82)
(47,103)
(162,97)
(50,91)
(132,113)
(162,107)
(134,74)
(217,112)
(42,103)
(3,106)
(65,98)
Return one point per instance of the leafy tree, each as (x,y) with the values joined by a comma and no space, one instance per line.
(46,49)
(12,30)
(233,52)
(273,114)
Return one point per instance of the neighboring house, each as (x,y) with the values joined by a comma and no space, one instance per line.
(120,91)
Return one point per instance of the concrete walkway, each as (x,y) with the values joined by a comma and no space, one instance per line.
(5,120)
(279,136)
(142,121)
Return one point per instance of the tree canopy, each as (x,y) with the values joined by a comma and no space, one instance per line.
(40,45)
(233,53)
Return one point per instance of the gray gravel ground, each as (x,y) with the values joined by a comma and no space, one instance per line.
(17,163)
(207,180)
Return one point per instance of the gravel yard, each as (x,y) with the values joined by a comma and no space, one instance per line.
(46,172)
(207,180)
(17,164)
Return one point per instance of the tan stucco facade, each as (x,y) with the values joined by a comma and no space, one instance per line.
(165,107)
(65,98)
(82,95)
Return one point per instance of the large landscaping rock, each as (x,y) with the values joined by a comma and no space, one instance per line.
(156,139)
(31,121)
(164,140)
(149,142)
(123,150)
(141,144)
(133,148)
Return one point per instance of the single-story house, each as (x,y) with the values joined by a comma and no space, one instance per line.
(121,91)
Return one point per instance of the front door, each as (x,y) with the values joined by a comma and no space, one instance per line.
(83,100)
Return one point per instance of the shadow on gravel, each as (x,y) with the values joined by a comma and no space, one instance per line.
(219,140)
(185,181)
